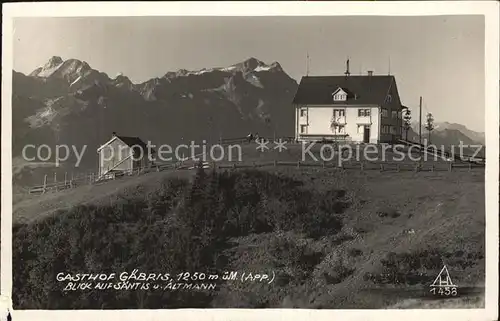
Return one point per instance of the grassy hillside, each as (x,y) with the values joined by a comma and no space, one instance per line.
(333,239)
(28,207)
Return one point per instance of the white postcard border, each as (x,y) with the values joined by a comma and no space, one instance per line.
(489,9)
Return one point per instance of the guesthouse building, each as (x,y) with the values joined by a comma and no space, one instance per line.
(355,109)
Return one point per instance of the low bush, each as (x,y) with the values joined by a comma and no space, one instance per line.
(178,227)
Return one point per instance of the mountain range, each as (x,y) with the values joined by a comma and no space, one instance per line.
(450,133)
(69,102)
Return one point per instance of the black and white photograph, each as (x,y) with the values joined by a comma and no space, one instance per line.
(245,161)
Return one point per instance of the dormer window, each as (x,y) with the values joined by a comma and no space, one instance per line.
(339,95)
(388,99)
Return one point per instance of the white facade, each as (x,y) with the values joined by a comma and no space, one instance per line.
(115,155)
(357,124)
(361,109)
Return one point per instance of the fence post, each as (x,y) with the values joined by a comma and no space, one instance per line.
(298,164)
(44,184)
(275,163)
(450,167)
(55,181)
(470,167)
(324,165)
(65,179)
(397,167)
(362,165)
(234,165)
(381,167)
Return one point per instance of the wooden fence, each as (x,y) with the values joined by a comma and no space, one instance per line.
(92,179)
(383,166)
(445,153)
(358,165)
(241,140)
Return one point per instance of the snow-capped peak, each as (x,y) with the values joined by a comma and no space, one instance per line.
(255,65)
(50,67)
(263,68)
(250,65)
(247,66)
(53,62)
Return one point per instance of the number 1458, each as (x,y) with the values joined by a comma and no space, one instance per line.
(444,291)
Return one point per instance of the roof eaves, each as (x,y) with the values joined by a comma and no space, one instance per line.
(107,143)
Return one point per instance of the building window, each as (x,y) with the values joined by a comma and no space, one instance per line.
(384,112)
(302,112)
(400,115)
(338,113)
(385,129)
(394,114)
(303,129)
(340,128)
(340,97)
(360,129)
(392,130)
(363,112)
(388,99)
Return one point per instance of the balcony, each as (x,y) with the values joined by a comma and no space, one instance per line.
(341,120)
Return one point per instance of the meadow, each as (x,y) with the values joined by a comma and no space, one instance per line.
(334,238)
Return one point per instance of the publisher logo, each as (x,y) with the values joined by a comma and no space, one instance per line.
(443,285)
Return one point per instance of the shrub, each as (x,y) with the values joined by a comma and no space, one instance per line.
(174,228)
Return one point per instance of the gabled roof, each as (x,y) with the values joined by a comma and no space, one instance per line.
(338,90)
(361,89)
(132,141)
(129,141)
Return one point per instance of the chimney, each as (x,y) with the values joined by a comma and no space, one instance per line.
(114,134)
(370,72)
(347,73)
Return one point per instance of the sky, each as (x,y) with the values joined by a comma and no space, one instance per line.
(440,58)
